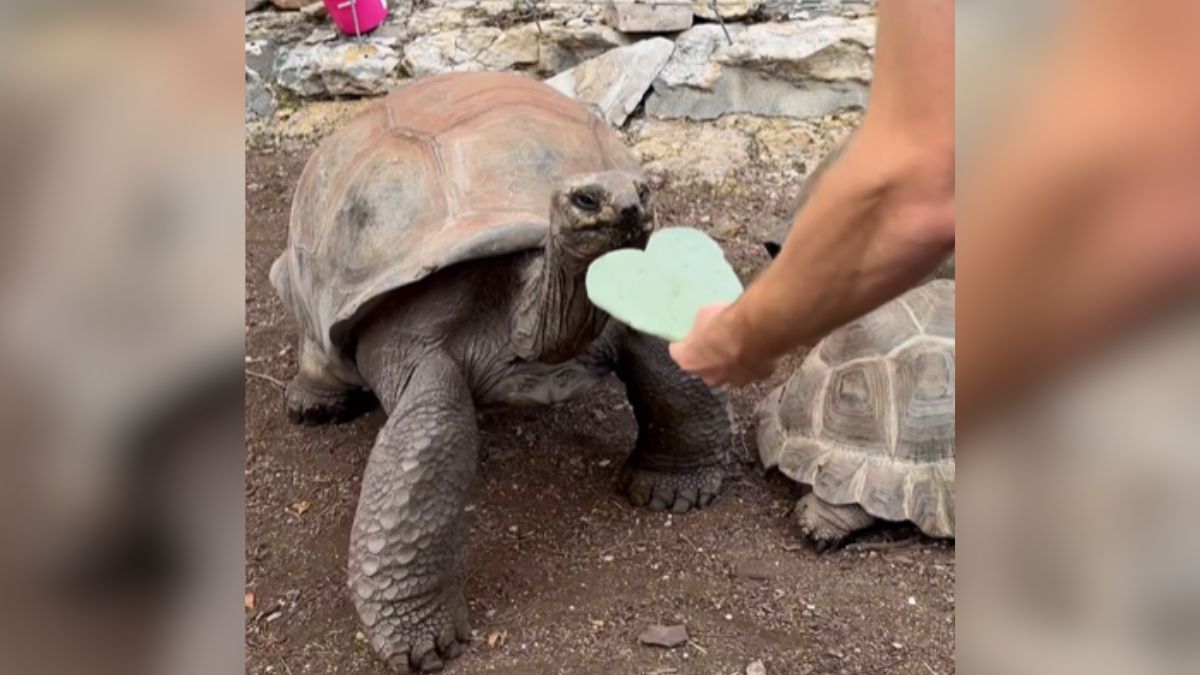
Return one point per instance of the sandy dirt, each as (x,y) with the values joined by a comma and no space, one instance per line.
(563,573)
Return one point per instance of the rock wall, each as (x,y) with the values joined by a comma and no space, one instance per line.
(677,77)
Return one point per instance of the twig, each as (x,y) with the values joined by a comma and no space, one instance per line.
(263,376)
(699,646)
(931,670)
(720,20)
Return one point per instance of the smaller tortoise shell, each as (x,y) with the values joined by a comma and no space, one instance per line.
(868,418)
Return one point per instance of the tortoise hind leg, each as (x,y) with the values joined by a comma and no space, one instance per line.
(827,525)
(317,396)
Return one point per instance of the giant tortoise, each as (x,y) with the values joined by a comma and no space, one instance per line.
(436,258)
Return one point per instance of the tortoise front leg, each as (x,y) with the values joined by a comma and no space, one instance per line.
(685,437)
(406,548)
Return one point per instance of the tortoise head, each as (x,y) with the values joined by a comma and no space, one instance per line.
(596,213)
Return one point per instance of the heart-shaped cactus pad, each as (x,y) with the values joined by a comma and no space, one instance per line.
(659,290)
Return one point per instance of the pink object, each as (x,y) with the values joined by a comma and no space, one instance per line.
(357,17)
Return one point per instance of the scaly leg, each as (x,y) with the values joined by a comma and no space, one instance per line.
(406,548)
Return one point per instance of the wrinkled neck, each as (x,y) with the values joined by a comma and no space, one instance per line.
(554,320)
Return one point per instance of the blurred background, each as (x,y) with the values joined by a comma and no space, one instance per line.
(121,448)
(1078,548)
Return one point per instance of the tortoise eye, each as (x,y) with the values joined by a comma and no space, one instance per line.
(584,201)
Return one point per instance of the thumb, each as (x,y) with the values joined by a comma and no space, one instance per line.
(680,352)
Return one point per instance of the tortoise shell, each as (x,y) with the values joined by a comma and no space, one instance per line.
(868,418)
(447,169)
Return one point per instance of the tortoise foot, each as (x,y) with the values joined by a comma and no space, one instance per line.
(424,639)
(311,405)
(677,492)
(827,525)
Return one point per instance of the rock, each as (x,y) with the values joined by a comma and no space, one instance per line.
(726,9)
(798,69)
(260,57)
(440,16)
(807,9)
(550,50)
(290,4)
(260,102)
(782,150)
(664,636)
(311,122)
(691,153)
(480,48)
(616,81)
(756,668)
(339,68)
(278,28)
(252,5)
(637,16)
(565,47)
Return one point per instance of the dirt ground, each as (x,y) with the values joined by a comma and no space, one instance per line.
(563,573)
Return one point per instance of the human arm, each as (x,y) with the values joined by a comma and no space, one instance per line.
(1084,217)
(880,218)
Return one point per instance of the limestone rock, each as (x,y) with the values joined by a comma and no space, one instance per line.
(260,57)
(725,9)
(252,5)
(278,28)
(689,152)
(797,69)
(615,82)
(550,50)
(638,16)
(777,150)
(782,10)
(664,636)
(439,16)
(260,102)
(339,68)
(291,4)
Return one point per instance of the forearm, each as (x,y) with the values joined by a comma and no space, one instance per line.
(1085,217)
(881,219)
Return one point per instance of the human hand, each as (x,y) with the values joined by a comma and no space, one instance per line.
(714,351)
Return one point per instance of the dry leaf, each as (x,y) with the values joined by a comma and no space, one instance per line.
(301,506)
(249,601)
(496,639)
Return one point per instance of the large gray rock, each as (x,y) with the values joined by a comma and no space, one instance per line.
(546,49)
(646,16)
(796,69)
(725,9)
(260,57)
(252,5)
(615,82)
(339,68)
(260,102)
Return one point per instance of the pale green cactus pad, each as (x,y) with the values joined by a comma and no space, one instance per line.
(659,290)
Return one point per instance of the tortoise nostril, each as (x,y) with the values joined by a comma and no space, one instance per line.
(631,212)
